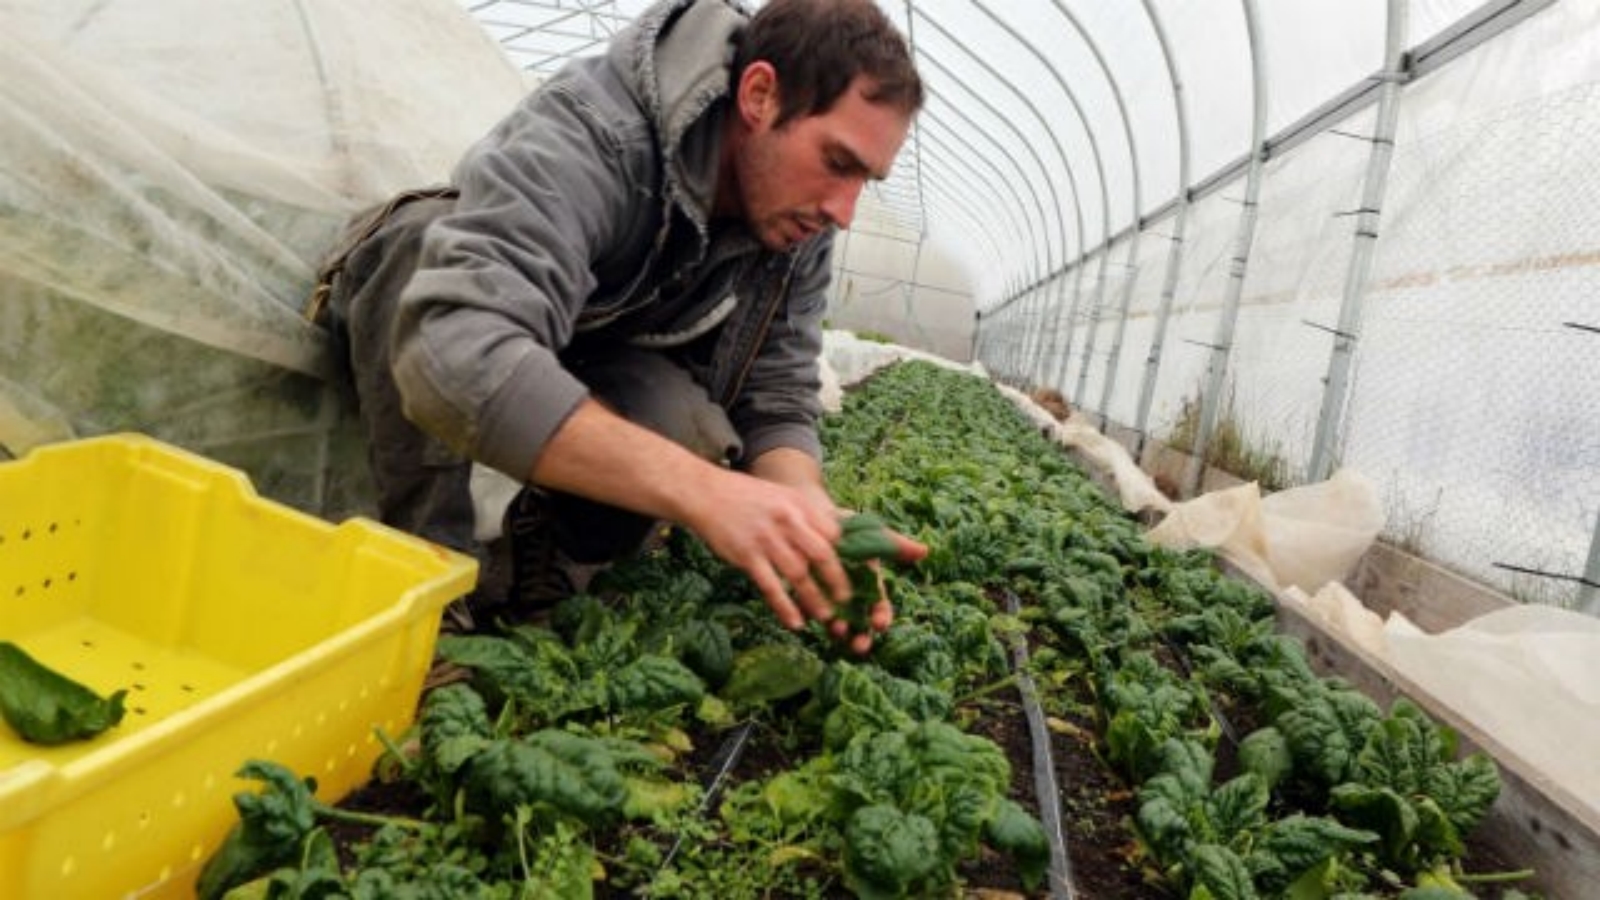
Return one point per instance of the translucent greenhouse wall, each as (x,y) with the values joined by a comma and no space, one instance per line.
(166,195)
(1475,380)
(888,282)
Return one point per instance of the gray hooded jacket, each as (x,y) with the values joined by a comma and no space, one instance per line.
(584,220)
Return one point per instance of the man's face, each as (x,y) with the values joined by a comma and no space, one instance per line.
(798,179)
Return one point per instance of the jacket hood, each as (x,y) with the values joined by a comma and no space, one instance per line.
(676,56)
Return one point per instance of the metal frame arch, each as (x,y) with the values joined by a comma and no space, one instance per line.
(1037,374)
(1066,162)
(997,245)
(1131,146)
(1039,206)
(1025,228)
(1021,171)
(989,197)
(1022,231)
(1044,172)
(1180,221)
(974,221)
(1222,337)
(1137,190)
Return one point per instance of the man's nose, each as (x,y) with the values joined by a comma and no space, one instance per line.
(840,205)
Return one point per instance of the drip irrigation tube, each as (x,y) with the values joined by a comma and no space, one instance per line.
(1182,659)
(1044,767)
(726,758)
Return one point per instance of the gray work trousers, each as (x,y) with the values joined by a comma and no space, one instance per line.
(423,486)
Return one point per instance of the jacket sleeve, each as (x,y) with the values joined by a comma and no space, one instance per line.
(778,405)
(501,280)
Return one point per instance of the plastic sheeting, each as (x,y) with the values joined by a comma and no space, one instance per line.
(1527,675)
(166,194)
(1303,537)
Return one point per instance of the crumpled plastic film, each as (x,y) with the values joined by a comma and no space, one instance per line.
(1529,675)
(1342,613)
(1135,488)
(1304,537)
(166,195)
(853,359)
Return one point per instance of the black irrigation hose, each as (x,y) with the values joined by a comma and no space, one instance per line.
(1182,658)
(726,758)
(1044,767)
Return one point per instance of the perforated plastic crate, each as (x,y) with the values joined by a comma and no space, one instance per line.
(240,628)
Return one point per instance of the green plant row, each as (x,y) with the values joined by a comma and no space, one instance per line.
(573,757)
(1333,797)
(569,760)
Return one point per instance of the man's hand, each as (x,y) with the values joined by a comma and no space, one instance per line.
(799,470)
(776,523)
(785,541)
(780,537)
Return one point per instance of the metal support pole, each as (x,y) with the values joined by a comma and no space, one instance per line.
(1336,387)
(1094,329)
(1222,340)
(1121,329)
(1180,219)
(1588,592)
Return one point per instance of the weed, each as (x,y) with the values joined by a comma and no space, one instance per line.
(1232,448)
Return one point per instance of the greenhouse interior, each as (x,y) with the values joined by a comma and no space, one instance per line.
(1205,402)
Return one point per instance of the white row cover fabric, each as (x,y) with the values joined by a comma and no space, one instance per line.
(1527,675)
(1303,537)
(172,173)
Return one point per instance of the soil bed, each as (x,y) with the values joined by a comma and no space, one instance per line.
(1005,724)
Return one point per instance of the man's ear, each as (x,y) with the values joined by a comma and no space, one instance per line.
(759,102)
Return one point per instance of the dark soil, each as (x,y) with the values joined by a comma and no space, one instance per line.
(1096,809)
(1006,725)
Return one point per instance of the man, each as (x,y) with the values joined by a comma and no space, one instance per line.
(629,289)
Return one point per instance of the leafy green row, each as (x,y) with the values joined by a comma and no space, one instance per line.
(1335,797)
(564,761)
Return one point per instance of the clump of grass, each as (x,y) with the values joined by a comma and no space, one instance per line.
(876,337)
(1232,448)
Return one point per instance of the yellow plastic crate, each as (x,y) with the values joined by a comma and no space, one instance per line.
(240,628)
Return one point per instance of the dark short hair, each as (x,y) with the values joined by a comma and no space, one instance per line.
(818,47)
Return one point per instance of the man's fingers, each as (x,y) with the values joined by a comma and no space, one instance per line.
(834,576)
(771,587)
(882,616)
(823,562)
(797,570)
(910,550)
(809,595)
